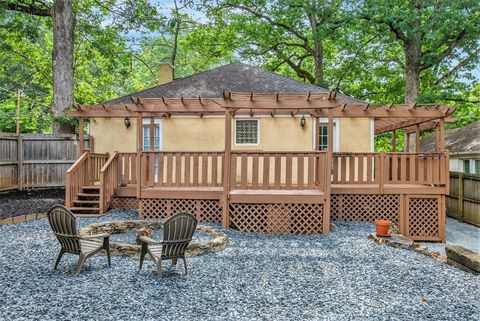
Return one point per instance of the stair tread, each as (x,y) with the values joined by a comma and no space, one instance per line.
(91,187)
(86,201)
(84,209)
(88,194)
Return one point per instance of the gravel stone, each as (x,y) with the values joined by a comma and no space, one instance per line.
(338,276)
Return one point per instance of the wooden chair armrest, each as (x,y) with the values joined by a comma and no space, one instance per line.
(96,236)
(148,240)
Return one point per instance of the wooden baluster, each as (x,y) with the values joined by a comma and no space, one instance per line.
(288,169)
(255,171)
(343,175)
(360,178)
(204,169)
(195,169)
(266,171)
(300,172)
(178,169)
(243,170)
(310,171)
(215,169)
(278,171)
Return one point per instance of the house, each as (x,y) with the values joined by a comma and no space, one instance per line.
(463,143)
(259,152)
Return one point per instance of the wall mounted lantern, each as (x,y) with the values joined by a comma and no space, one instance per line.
(127,122)
(302,121)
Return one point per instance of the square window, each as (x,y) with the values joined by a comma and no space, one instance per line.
(246,132)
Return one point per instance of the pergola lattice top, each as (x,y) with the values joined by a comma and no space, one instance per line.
(387,117)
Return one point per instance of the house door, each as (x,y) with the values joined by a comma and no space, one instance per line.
(152,134)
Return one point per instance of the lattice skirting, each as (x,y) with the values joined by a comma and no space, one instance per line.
(365,207)
(125,203)
(204,210)
(277,218)
(424,217)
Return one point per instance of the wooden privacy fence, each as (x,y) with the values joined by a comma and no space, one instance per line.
(390,168)
(463,201)
(36,160)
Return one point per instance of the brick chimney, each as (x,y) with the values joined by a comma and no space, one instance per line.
(165,73)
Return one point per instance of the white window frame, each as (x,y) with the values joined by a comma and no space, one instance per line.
(235,132)
(336,133)
(157,122)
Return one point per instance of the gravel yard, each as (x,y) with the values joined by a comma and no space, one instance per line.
(337,276)
(16,202)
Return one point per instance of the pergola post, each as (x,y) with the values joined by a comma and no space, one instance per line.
(417,138)
(316,140)
(406,143)
(394,140)
(328,174)
(441,135)
(139,153)
(80,135)
(227,170)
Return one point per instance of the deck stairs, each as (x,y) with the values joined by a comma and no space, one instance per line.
(87,202)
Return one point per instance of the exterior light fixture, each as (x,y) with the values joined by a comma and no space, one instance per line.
(126,121)
(302,121)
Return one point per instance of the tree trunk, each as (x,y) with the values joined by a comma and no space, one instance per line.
(63,23)
(317,52)
(412,72)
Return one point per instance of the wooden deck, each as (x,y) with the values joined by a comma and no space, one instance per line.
(273,191)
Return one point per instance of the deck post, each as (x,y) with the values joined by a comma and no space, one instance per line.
(226,170)
(80,135)
(139,152)
(328,176)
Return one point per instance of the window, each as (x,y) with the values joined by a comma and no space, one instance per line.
(466,166)
(146,134)
(323,136)
(477,166)
(246,132)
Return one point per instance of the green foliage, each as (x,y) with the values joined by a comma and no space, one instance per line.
(118,45)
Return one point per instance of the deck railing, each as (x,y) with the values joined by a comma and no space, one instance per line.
(85,171)
(282,170)
(181,169)
(127,166)
(109,180)
(390,168)
(277,170)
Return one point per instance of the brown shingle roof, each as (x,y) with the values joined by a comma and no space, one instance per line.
(237,76)
(464,139)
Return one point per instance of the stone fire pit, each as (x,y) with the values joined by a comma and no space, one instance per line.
(206,238)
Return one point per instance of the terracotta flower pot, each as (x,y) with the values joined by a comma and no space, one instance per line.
(382,227)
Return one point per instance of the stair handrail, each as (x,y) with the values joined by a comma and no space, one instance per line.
(108,182)
(76,177)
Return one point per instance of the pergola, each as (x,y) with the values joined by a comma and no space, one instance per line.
(412,118)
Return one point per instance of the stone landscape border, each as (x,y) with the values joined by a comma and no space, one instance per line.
(22,218)
(217,243)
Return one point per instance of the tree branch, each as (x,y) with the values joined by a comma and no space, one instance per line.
(457,67)
(455,41)
(32,9)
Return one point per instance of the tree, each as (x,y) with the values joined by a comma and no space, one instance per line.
(283,32)
(433,34)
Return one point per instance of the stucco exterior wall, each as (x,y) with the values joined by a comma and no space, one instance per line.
(355,135)
(207,134)
(110,134)
(193,134)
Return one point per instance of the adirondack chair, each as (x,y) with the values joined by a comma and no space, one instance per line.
(64,226)
(177,234)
